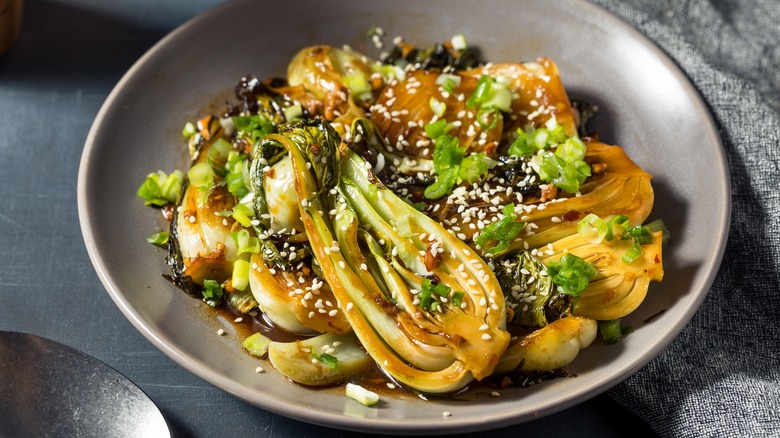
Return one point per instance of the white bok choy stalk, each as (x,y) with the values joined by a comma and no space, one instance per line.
(426,308)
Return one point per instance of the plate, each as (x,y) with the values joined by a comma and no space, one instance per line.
(646,105)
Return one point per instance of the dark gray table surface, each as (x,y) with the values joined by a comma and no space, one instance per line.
(69,56)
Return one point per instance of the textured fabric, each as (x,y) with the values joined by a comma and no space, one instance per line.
(721,376)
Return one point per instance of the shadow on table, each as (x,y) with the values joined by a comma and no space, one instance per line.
(72,43)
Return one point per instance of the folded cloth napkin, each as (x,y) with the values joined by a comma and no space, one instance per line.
(721,376)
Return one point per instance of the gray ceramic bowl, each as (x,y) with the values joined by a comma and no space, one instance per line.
(647,105)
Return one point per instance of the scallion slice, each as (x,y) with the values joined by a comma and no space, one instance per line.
(362,395)
(189,130)
(448,82)
(459,42)
(438,108)
(201,175)
(240,274)
(256,344)
(159,239)
(293,112)
(243,215)
(592,228)
(613,331)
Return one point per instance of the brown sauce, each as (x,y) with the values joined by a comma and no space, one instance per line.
(374,379)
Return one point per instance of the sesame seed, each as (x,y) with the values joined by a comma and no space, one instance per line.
(486,337)
(220,332)
(259,370)
(495,394)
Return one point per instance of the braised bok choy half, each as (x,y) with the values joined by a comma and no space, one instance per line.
(428,215)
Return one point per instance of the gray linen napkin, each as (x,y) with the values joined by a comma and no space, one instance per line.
(721,376)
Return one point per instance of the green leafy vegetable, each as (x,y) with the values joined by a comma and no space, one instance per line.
(571,273)
(501,232)
(529,293)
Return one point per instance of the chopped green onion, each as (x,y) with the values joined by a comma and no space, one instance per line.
(613,331)
(482,92)
(457,297)
(445,181)
(447,156)
(571,149)
(240,274)
(171,188)
(245,242)
(474,167)
(160,189)
(293,112)
(571,273)
(501,98)
(659,225)
(566,175)
(219,150)
(159,239)
(522,147)
(439,289)
(484,117)
(616,226)
(327,359)
(256,344)
(633,253)
(201,175)
(459,42)
(592,228)
(212,292)
(438,108)
(362,395)
(437,129)
(189,130)
(389,72)
(253,127)
(243,215)
(237,177)
(641,236)
(501,232)
(448,82)
(358,85)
